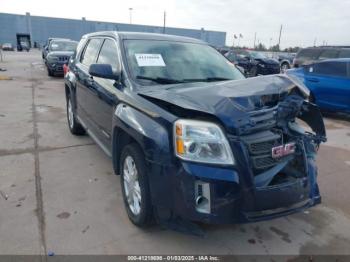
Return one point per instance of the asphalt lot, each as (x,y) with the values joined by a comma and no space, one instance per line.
(58,192)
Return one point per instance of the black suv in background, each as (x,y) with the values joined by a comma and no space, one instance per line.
(309,55)
(59,52)
(45,49)
(254,63)
(191,138)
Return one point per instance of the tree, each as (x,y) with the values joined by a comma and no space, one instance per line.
(292,49)
(260,47)
(274,48)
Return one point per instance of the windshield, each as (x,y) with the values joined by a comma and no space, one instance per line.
(166,62)
(257,55)
(63,46)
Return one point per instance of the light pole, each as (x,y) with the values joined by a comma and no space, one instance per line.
(254,39)
(130,14)
(164,21)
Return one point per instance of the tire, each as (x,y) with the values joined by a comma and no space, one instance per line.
(284,67)
(74,126)
(136,193)
(49,72)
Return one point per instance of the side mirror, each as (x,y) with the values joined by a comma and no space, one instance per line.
(103,71)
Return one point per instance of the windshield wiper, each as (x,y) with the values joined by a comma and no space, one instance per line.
(208,79)
(161,80)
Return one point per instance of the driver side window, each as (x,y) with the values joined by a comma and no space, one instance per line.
(109,54)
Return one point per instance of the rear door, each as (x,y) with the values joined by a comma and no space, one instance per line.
(330,83)
(86,91)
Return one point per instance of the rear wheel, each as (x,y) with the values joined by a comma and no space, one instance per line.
(134,183)
(74,126)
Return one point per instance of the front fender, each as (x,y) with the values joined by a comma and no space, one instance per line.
(153,137)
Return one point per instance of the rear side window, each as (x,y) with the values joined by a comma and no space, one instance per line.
(109,54)
(90,54)
(344,53)
(309,53)
(330,68)
(330,53)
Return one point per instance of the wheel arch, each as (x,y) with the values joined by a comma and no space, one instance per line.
(131,125)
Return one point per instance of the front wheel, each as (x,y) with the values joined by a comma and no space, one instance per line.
(49,72)
(135,188)
(285,67)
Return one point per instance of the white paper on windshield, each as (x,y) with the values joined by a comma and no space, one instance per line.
(149,60)
(54,45)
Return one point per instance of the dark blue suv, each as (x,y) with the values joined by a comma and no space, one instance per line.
(191,138)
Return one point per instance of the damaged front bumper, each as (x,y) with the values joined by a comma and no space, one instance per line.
(259,186)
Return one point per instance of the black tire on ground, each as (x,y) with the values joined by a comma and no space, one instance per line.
(74,126)
(49,72)
(145,216)
(285,66)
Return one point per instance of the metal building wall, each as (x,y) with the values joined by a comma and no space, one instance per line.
(40,28)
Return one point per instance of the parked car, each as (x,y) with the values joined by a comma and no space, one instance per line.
(59,52)
(23,45)
(329,83)
(191,138)
(7,47)
(45,49)
(312,54)
(254,63)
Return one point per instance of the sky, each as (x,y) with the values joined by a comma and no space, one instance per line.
(304,21)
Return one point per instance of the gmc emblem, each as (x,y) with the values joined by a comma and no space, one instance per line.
(283,150)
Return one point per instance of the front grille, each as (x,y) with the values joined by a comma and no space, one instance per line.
(260,147)
(263,147)
(63,58)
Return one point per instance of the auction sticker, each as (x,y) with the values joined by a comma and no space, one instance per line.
(149,60)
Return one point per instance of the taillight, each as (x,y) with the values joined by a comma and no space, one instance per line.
(65,69)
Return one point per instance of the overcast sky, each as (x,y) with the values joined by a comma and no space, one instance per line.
(303,20)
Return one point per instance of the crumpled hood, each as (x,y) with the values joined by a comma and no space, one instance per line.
(229,101)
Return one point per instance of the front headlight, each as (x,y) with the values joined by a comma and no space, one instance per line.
(201,141)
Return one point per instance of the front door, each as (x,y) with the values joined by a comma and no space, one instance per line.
(107,91)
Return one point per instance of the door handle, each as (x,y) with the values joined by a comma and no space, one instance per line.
(312,79)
